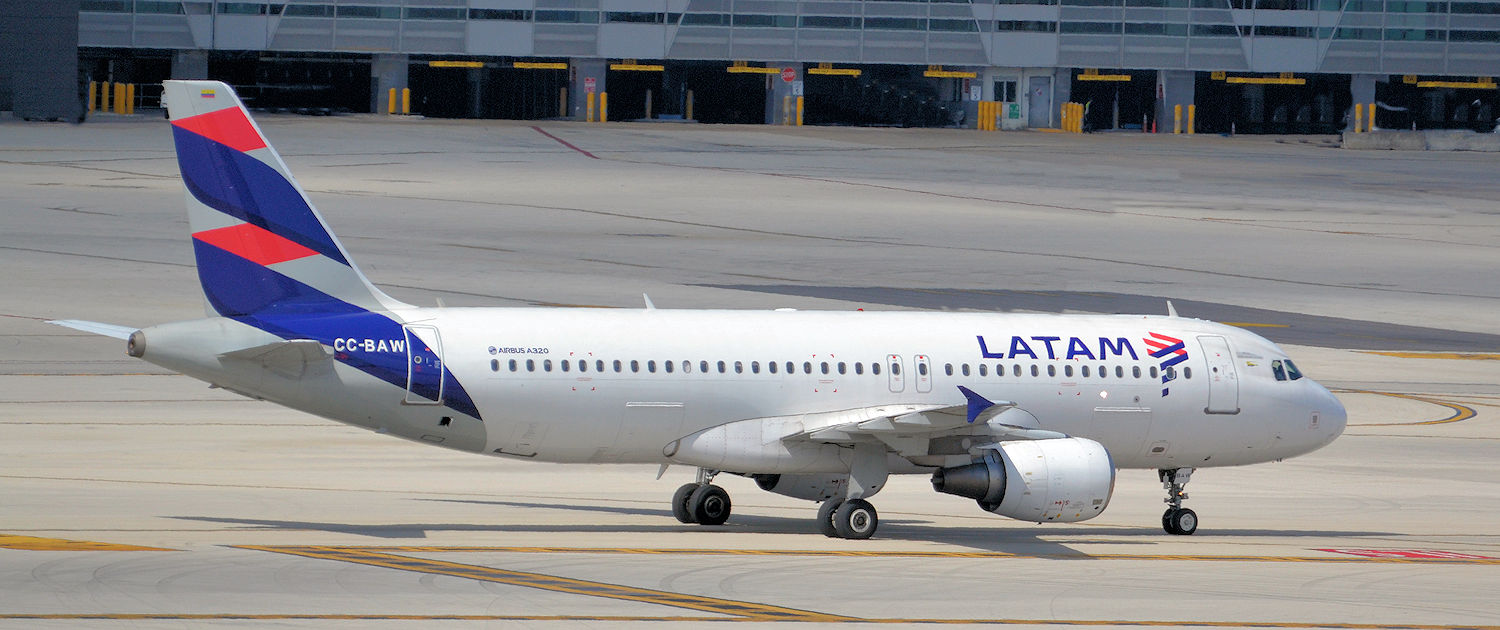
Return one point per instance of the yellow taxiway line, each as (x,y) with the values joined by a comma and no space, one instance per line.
(381,558)
(32,543)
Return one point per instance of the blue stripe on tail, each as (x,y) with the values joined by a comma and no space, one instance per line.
(245,188)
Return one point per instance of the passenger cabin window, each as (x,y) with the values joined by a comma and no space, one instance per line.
(807,367)
(1034,371)
(667,365)
(512,365)
(1051,370)
(755,367)
(599,365)
(651,366)
(791,368)
(964,369)
(1120,371)
(1084,371)
(1068,371)
(531,365)
(1135,371)
(1153,371)
(687,367)
(875,369)
(859,368)
(922,369)
(583,366)
(721,367)
(1017,370)
(635,365)
(563,364)
(739,367)
(984,370)
(896,369)
(1187,372)
(495,365)
(948,369)
(771,365)
(824,367)
(703,367)
(842,368)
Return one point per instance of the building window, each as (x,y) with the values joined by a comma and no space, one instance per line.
(825,21)
(634,17)
(363,11)
(513,15)
(423,13)
(568,17)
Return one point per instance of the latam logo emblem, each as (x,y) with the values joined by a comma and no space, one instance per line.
(1171,351)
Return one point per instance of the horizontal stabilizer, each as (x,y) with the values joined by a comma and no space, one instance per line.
(97,328)
(287,358)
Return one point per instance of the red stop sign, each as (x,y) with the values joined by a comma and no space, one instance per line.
(789,74)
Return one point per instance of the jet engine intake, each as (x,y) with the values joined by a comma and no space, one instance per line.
(1063,479)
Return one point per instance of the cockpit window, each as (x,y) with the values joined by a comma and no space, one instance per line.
(1278,371)
(1291,370)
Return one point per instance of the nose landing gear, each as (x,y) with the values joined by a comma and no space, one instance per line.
(1177,520)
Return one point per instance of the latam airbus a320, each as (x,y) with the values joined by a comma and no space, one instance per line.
(1030,415)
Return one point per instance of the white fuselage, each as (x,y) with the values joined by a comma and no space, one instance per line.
(547,387)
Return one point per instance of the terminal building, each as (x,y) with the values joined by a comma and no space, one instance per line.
(1251,66)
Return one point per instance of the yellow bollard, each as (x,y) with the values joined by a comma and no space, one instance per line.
(1176,119)
(130,99)
(1359,117)
(103,96)
(1372,117)
(1192,118)
(603,106)
(120,98)
(799,111)
(562,102)
(91,97)
(689,113)
(589,110)
(406,100)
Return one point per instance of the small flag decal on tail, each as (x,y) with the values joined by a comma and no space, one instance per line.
(207,93)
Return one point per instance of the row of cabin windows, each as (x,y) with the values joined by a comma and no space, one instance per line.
(1084,371)
(807,367)
(687,367)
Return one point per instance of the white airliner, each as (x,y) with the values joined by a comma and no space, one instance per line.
(1028,414)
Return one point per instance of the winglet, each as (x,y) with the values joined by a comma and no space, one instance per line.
(977,403)
(1171,310)
(649,305)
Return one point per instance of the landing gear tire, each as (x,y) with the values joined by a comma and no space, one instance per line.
(709,505)
(825,517)
(855,519)
(680,507)
(1180,521)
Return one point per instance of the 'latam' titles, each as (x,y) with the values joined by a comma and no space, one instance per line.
(1072,348)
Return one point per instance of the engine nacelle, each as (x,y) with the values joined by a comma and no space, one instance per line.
(813,487)
(1063,480)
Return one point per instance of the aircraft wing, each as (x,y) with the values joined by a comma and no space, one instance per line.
(97,328)
(978,416)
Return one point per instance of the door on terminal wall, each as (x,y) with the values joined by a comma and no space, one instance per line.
(1039,102)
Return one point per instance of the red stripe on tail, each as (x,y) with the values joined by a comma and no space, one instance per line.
(254,244)
(228,127)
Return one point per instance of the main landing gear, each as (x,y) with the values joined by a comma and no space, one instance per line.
(854,519)
(1177,520)
(701,502)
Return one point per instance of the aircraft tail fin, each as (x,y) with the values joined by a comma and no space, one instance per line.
(261,247)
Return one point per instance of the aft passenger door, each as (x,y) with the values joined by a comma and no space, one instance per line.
(424,366)
(893,373)
(1223,382)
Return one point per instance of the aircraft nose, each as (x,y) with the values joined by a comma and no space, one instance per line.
(1331,415)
